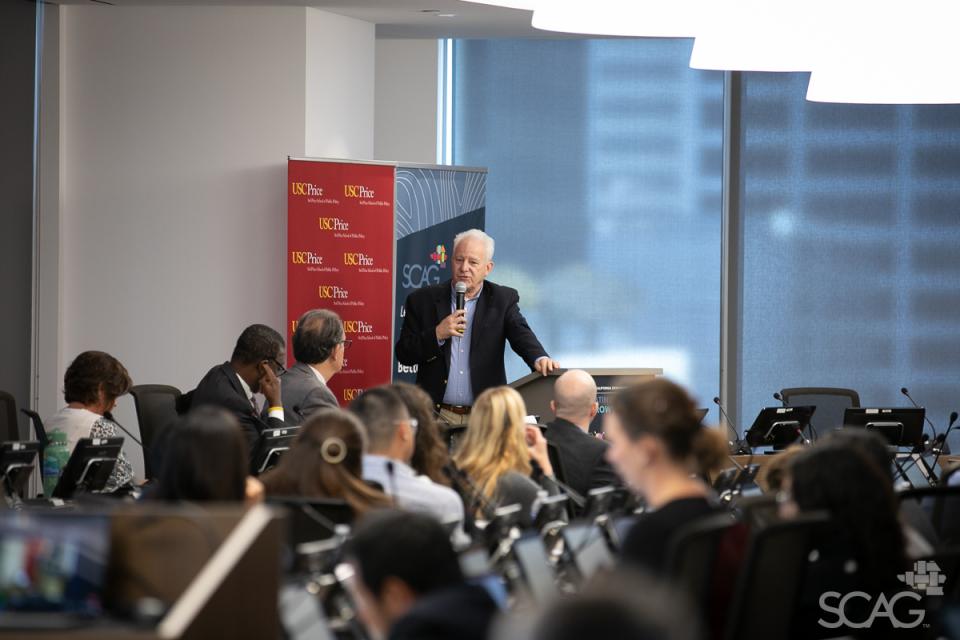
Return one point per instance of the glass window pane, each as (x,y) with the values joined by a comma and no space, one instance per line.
(603,195)
(851,229)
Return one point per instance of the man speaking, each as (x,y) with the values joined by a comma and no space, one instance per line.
(455,332)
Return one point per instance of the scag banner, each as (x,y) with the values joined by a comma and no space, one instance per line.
(340,257)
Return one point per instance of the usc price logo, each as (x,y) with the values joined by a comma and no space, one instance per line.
(357,191)
(357,326)
(305,257)
(350,394)
(305,189)
(357,260)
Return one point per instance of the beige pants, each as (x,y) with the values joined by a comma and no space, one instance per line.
(453,418)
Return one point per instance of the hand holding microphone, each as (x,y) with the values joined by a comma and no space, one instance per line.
(455,324)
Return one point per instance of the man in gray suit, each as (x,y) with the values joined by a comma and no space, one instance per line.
(318,346)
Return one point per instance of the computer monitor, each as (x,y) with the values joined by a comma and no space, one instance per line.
(779,427)
(902,427)
(53,562)
(538,574)
(17,460)
(89,467)
(271,444)
(588,549)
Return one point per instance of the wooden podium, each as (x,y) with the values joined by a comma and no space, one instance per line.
(537,390)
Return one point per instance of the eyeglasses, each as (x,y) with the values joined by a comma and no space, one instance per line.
(411,421)
(278,368)
(346,344)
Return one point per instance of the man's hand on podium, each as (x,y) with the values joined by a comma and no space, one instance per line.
(545,365)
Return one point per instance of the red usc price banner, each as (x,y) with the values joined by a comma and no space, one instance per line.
(340,257)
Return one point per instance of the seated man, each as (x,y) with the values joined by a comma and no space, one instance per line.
(581,455)
(253,368)
(392,433)
(318,346)
(409,583)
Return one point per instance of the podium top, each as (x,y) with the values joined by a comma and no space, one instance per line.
(593,371)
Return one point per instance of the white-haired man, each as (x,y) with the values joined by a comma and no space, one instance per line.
(460,353)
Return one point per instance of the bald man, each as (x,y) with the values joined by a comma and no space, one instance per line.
(581,455)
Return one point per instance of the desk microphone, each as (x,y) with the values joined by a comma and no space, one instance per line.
(109,416)
(723,414)
(943,445)
(905,392)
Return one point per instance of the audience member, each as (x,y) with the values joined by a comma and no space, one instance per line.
(581,455)
(326,461)
(91,386)
(918,531)
(430,454)
(622,606)
(256,361)
(505,458)
(319,344)
(770,476)
(392,435)
(205,459)
(409,584)
(658,446)
(864,549)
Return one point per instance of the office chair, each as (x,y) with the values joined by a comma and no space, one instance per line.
(9,430)
(156,406)
(829,401)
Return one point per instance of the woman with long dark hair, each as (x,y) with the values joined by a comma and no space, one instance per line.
(430,454)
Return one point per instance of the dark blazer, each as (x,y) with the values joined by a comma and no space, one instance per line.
(303,393)
(221,388)
(496,321)
(582,457)
(460,612)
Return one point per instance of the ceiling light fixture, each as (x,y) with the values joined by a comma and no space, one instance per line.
(643,18)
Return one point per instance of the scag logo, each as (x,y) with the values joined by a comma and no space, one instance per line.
(305,257)
(332,292)
(357,260)
(305,189)
(414,276)
(357,191)
(350,394)
(357,326)
(334,224)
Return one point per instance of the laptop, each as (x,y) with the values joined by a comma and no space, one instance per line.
(52,569)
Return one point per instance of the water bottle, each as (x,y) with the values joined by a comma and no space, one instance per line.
(55,458)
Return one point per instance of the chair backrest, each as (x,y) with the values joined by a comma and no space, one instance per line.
(692,554)
(942,507)
(156,406)
(829,401)
(9,429)
(757,511)
(770,582)
(313,519)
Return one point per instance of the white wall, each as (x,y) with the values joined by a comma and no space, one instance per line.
(406,101)
(339,86)
(167,227)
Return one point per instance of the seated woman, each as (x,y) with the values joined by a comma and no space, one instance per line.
(91,386)
(325,460)
(505,459)
(204,458)
(661,450)
(430,453)
(864,548)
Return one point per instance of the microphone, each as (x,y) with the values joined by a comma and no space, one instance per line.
(109,416)
(904,391)
(578,500)
(723,414)
(476,498)
(461,290)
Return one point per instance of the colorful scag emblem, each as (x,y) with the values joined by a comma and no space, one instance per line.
(440,256)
